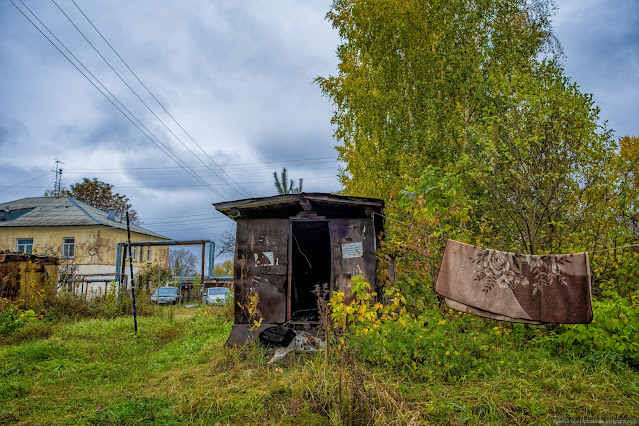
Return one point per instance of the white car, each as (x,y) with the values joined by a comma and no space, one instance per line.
(216,295)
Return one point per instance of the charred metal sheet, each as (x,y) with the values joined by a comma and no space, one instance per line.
(351,233)
(261,264)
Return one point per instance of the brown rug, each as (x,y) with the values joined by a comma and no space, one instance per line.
(516,287)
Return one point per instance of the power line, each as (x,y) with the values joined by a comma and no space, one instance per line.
(177,173)
(152,95)
(184,186)
(25,181)
(131,89)
(174,157)
(314,160)
(187,221)
(42,187)
(181,216)
(174,229)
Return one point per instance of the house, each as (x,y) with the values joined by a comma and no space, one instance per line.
(83,237)
(288,244)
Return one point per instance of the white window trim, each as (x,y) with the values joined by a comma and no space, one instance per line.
(24,251)
(71,244)
(134,253)
(148,254)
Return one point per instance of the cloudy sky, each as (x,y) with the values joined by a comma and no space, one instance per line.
(238,78)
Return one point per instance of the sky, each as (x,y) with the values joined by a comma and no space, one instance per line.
(237,77)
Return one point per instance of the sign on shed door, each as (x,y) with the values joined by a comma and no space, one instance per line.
(353,246)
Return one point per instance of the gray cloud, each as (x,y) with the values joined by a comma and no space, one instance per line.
(239,78)
(601,43)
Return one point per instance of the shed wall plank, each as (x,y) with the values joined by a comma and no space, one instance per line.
(346,260)
(261,263)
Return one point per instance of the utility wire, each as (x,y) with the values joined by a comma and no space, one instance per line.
(156,100)
(184,186)
(177,173)
(182,228)
(43,188)
(130,88)
(232,166)
(172,169)
(26,181)
(171,155)
(184,221)
(181,216)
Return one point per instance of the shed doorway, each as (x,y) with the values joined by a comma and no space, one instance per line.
(310,265)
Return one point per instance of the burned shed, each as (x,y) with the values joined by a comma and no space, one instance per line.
(287,244)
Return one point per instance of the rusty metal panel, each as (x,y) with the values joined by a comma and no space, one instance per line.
(353,246)
(261,263)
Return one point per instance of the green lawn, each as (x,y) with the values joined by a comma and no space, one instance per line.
(177,370)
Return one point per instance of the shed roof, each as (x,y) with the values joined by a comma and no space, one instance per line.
(290,205)
(62,211)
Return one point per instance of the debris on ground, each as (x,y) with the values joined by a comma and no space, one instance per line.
(303,342)
(276,336)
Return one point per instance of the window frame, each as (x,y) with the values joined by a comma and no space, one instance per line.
(134,253)
(148,254)
(65,245)
(18,244)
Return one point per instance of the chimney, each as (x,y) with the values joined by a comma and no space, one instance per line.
(111,213)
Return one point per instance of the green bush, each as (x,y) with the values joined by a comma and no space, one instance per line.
(9,321)
(614,329)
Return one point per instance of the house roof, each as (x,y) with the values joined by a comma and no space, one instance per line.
(63,211)
(289,205)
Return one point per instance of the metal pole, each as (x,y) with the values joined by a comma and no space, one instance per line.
(128,232)
(118,259)
(180,286)
(211,258)
(123,271)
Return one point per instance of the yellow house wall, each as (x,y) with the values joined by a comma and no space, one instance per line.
(111,237)
(93,245)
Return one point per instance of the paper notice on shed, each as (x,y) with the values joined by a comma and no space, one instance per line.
(351,250)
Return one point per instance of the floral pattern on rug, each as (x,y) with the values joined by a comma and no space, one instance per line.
(505,270)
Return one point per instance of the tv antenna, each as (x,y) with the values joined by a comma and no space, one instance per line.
(57,187)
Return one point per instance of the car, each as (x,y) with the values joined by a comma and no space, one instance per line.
(166,296)
(216,295)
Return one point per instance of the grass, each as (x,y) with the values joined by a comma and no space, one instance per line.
(177,370)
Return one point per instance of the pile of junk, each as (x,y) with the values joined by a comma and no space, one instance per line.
(283,340)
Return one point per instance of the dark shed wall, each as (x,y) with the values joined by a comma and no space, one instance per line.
(262,263)
(354,251)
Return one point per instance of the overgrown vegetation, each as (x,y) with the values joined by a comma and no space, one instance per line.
(460,116)
(384,366)
(463,120)
(474,132)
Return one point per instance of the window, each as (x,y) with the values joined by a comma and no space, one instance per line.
(148,254)
(68,248)
(134,253)
(24,245)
